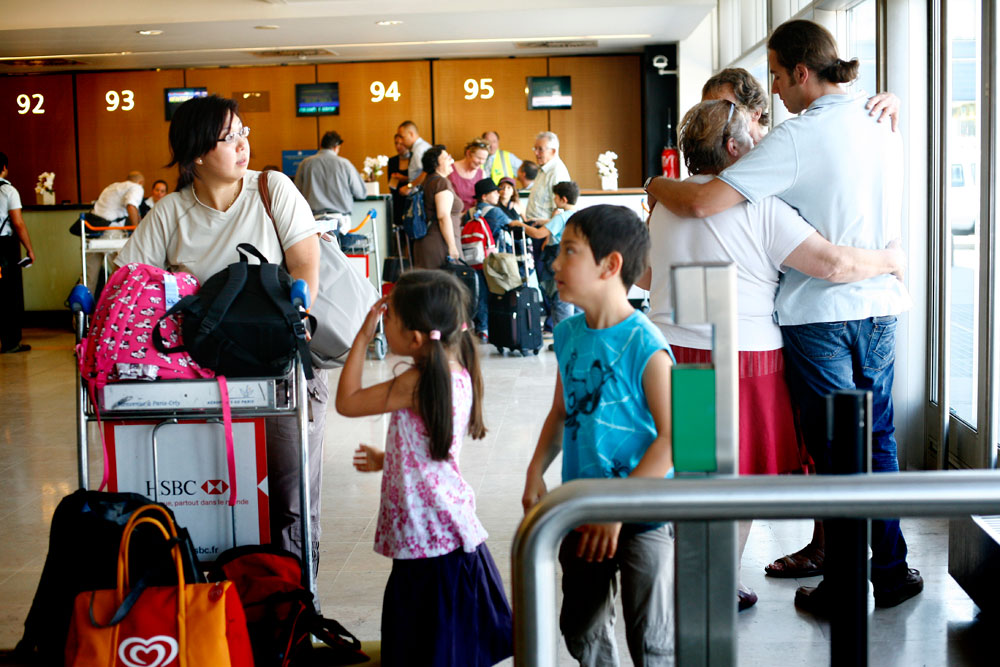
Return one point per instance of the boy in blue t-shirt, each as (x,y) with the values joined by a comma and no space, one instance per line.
(610,417)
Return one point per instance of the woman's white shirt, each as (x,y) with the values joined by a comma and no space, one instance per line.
(757,237)
(182,234)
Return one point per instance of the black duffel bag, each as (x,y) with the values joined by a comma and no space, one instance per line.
(241,322)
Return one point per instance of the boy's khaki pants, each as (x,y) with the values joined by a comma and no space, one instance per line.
(587,620)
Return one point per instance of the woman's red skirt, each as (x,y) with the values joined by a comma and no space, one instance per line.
(769,442)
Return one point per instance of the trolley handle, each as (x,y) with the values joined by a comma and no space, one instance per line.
(94,228)
(371,215)
(81,300)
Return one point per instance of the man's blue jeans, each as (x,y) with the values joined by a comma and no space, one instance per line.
(821,358)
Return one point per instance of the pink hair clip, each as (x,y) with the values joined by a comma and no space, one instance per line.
(465,326)
(435,334)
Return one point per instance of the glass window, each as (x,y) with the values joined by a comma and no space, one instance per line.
(861,44)
(961,127)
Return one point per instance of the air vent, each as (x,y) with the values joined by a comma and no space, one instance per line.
(294,53)
(568,44)
(42,62)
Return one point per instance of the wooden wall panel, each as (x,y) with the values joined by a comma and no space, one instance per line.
(457,120)
(273,131)
(112,143)
(606,116)
(37,142)
(367,127)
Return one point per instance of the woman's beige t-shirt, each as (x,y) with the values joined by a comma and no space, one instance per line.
(182,234)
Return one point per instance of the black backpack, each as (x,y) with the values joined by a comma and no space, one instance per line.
(84,539)
(241,322)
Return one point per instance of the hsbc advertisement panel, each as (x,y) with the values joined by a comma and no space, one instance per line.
(193,477)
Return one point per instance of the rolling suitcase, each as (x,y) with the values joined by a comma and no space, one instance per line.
(515,317)
(467,276)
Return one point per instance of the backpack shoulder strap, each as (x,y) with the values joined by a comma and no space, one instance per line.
(186,305)
(269,281)
(215,313)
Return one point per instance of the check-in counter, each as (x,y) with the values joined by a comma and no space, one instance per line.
(633,198)
(57,266)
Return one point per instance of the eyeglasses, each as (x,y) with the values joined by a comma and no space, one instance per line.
(729,118)
(233,136)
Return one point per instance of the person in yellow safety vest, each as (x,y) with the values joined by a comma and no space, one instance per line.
(500,163)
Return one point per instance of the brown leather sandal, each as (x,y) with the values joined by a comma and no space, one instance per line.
(806,562)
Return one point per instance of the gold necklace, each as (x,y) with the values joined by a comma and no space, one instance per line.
(239,188)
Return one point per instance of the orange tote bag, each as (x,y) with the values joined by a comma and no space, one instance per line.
(188,625)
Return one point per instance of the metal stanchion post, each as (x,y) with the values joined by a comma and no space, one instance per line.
(846,581)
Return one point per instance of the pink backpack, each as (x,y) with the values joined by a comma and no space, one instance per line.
(119,345)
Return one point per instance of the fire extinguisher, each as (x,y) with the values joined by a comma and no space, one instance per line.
(670,157)
(669,160)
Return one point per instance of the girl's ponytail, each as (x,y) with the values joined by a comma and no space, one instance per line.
(468,352)
(434,397)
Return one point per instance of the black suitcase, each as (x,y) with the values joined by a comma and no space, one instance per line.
(467,276)
(515,317)
(515,320)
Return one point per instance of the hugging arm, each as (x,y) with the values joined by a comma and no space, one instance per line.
(819,258)
(693,200)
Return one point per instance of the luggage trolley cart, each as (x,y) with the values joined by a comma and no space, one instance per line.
(92,243)
(369,251)
(170,402)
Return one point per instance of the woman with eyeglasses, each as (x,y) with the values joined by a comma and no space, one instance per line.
(763,240)
(469,170)
(196,229)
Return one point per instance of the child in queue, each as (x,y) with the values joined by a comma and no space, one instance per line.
(444,603)
(550,232)
(610,417)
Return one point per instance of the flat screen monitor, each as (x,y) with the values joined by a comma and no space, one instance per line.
(174,97)
(549,92)
(317,99)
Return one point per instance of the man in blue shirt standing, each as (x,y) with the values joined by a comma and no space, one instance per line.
(842,170)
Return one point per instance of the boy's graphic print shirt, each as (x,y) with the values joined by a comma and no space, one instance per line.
(608,424)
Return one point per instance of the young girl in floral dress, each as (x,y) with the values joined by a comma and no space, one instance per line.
(444,603)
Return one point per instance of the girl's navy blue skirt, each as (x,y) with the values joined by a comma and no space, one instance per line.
(449,610)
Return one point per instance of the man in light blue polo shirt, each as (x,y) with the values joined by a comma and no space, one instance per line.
(842,170)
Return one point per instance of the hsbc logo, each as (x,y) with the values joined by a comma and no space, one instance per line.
(177,487)
(215,487)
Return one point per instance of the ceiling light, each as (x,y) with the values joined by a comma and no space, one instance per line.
(266,27)
(388,22)
(149,32)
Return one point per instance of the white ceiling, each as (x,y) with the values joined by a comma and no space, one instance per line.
(103,34)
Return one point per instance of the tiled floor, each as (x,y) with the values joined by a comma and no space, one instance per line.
(37,468)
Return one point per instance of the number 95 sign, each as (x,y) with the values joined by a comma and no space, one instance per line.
(481,89)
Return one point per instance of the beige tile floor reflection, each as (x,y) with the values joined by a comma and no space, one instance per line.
(37,468)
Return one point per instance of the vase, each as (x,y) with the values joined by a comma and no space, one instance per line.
(371,188)
(609,182)
(45,198)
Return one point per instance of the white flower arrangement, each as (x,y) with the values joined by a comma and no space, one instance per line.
(45,181)
(606,164)
(373,167)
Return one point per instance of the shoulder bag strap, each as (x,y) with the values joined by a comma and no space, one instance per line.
(265,197)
